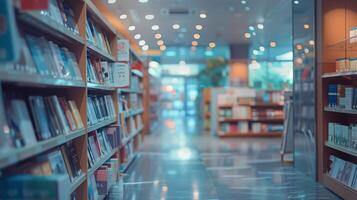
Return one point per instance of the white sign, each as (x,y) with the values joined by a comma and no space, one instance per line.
(123,50)
(121,75)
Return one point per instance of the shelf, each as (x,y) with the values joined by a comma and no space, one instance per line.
(99,52)
(96,86)
(132,136)
(128,90)
(137,73)
(100,125)
(345,150)
(37,80)
(339,110)
(50,27)
(342,190)
(225,106)
(101,161)
(77,182)
(98,17)
(252,120)
(133,112)
(21,154)
(339,74)
(346,44)
(266,105)
(249,134)
(126,166)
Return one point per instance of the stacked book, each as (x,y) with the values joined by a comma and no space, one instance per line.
(343,171)
(39,118)
(98,147)
(100,72)
(100,108)
(226,113)
(258,127)
(343,135)
(342,96)
(97,37)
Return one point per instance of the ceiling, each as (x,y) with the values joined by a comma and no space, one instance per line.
(226,22)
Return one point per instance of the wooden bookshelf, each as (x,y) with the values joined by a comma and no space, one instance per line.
(333,36)
(28,84)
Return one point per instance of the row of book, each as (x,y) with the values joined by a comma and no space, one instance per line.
(97,37)
(126,154)
(266,113)
(343,135)
(39,118)
(346,64)
(342,96)
(43,57)
(343,171)
(135,83)
(100,108)
(98,147)
(100,72)
(61,12)
(100,182)
(136,101)
(256,127)
(45,177)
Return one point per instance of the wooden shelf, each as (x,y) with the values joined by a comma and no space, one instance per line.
(133,112)
(50,27)
(100,125)
(99,52)
(339,74)
(98,17)
(77,182)
(128,90)
(339,188)
(252,120)
(132,136)
(125,166)
(249,134)
(345,150)
(96,86)
(35,80)
(21,154)
(344,44)
(101,161)
(339,110)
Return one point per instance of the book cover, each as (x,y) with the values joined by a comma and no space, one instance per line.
(37,54)
(57,164)
(75,113)
(72,174)
(68,114)
(73,158)
(40,116)
(60,114)
(55,124)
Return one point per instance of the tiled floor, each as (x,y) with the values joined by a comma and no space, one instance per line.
(179,162)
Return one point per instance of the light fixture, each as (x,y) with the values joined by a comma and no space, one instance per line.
(196,36)
(154,64)
(306,26)
(142,42)
(163,48)
(260,26)
(145,48)
(312,42)
(261,48)
(111,1)
(194,43)
(212,45)
(299,47)
(255,52)
(251,28)
(247,35)
(157,35)
(149,17)
(143,1)
(203,16)
(137,36)
(123,16)
(199,27)
(243,2)
(306,50)
(155,27)
(176,26)
(273,44)
(296,2)
(160,42)
(131,28)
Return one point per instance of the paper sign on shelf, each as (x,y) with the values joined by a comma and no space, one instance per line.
(9,41)
(123,50)
(34,4)
(121,74)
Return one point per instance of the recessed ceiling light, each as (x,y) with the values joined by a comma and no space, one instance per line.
(196,36)
(176,26)
(306,26)
(212,45)
(260,26)
(311,42)
(261,48)
(149,17)
(255,52)
(243,2)
(155,27)
(111,1)
(142,42)
(247,35)
(143,1)
(296,2)
(123,16)
(145,48)
(157,35)
(273,44)
(299,47)
(160,42)
(163,48)
(251,28)
(137,36)
(203,15)
(131,28)
(194,43)
(199,27)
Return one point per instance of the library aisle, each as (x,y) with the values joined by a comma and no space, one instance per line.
(181,162)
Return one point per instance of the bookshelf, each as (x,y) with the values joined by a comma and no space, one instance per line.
(336,80)
(250,113)
(79,84)
(207,108)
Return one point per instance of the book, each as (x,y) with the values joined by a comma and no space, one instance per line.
(37,55)
(57,164)
(5,139)
(68,114)
(55,126)
(40,117)
(76,115)
(60,114)
(73,158)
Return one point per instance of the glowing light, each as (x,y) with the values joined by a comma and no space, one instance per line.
(157,35)
(165,188)
(299,47)
(212,45)
(176,26)
(163,48)
(247,35)
(160,42)
(155,27)
(143,1)
(203,15)
(123,16)
(243,2)
(261,48)
(273,44)
(194,43)
(196,36)
(137,36)
(312,42)
(184,153)
(131,28)
(111,1)
(306,26)
(149,17)
(199,27)
(142,42)
(154,64)
(260,26)
(145,48)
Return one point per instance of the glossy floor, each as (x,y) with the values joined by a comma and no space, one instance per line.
(182,163)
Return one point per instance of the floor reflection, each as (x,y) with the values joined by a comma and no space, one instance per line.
(178,162)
